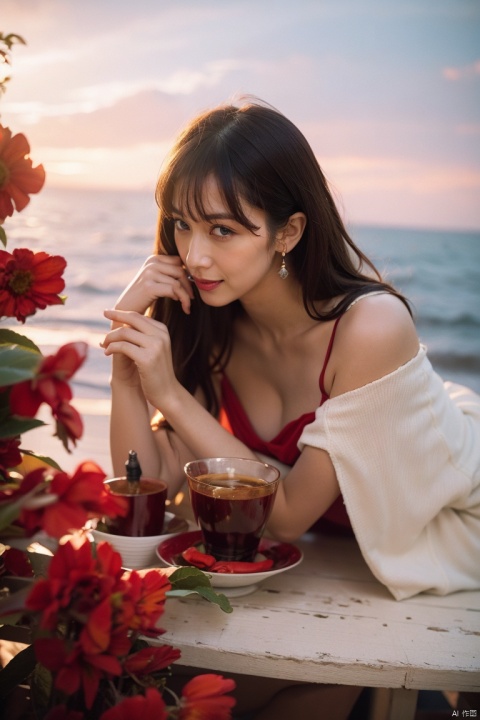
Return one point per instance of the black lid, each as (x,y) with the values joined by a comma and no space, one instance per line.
(132,467)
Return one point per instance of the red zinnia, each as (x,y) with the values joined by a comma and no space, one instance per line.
(203,698)
(144,602)
(18,177)
(73,669)
(140,707)
(77,582)
(29,281)
(50,385)
(150,660)
(75,499)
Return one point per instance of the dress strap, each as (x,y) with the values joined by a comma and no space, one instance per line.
(325,395)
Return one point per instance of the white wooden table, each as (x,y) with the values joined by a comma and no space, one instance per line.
(329,621)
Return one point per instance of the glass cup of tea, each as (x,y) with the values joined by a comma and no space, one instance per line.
(232,499)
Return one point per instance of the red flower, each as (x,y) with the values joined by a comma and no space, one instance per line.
(81,591)
(50,385)
(76,582)
(29,281)
(73,669)
(18,177)
(97,631)
(75,499)
(10,455)
(203,698)
(150,660)
(140,707)
(109,562)
(69,425)
(17,563)
(50,382)
(145,600)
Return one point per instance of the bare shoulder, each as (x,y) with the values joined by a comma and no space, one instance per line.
(375,337)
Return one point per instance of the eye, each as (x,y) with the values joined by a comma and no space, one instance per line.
(180,224)
(222,231)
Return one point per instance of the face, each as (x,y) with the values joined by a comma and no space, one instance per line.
(226,260)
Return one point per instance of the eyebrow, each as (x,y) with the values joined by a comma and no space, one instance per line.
(210,216)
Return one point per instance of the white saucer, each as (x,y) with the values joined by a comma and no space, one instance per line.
(284,556)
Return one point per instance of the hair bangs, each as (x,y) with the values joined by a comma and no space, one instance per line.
(184,183)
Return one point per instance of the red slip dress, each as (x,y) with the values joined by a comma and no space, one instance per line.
(283,446)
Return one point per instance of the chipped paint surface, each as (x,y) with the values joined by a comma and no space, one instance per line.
(328,620)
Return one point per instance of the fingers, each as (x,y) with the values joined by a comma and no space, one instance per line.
(165,276)
(176,291)
(159,276)
(175,267)
(136,337)
(130,320)
(145,344)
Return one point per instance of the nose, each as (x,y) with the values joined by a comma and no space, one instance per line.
(198,256)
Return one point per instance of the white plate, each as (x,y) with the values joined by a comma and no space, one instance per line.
(284,556)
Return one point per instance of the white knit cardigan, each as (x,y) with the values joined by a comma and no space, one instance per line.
(406,450)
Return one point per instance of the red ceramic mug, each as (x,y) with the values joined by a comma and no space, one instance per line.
(146,507)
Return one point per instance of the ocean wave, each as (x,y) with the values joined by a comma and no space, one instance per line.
(90,288)
(464,320)
(464,362)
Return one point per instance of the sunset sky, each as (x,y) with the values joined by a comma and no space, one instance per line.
(386,91)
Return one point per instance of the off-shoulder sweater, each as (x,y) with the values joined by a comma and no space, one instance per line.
(406,451)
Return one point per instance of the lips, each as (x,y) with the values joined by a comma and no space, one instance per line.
(206,285)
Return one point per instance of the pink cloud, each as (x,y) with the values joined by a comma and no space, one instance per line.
(464,72)
(149,116)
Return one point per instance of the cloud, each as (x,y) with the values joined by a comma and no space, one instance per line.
(428,194)
(149,116)
(131,168)
(464,72)
(468,129)
(362,174)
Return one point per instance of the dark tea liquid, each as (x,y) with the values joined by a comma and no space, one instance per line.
(146,513)
(232,513)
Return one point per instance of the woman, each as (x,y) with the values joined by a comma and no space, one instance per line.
(258,329)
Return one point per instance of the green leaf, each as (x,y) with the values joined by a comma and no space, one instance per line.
(17,670)
(12,606)
(43,458)
(10,534)
(3,237)
(10,337)
(186,578)
(41,689)
(17,426)
(9,511)
(208,593)
(17,364)
(218,598)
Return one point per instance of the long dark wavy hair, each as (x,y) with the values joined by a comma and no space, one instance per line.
(257,156)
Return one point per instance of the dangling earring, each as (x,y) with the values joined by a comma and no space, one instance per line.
(283,272)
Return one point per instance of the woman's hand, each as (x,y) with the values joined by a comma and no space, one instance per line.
(159,276)
(142,345)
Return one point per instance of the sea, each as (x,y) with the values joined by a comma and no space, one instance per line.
(106,235)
